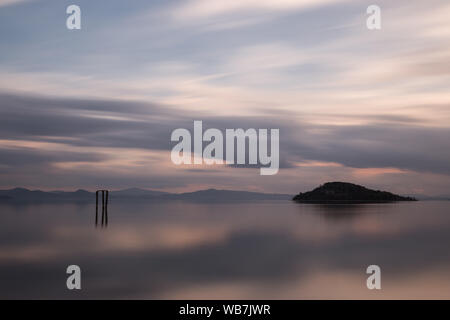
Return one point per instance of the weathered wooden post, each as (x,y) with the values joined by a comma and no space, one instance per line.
(96,208)
(105,197)
(103,207)
(106,208)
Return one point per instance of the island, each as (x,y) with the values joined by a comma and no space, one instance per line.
(344,192)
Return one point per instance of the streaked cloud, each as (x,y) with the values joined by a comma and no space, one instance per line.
(194,9)
(126,143)
(350,103)
(4,3)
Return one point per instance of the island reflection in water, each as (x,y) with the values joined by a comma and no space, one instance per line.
(266,250)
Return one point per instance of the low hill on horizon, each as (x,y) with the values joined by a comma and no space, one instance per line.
(345,192)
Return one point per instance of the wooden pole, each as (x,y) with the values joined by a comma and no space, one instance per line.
(103,207)
(106,208)
(96,208)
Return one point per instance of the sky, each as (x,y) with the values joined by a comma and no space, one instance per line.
(94,108)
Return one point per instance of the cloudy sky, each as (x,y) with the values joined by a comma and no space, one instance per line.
(95,107)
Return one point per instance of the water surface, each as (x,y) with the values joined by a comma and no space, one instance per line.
(265,250)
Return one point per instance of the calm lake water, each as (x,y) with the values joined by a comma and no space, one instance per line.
(270,250)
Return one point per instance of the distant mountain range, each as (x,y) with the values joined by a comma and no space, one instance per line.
(22,195)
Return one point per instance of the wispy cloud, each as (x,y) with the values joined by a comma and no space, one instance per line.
(195,9)
(126,143)
(374,103)
(4,3)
